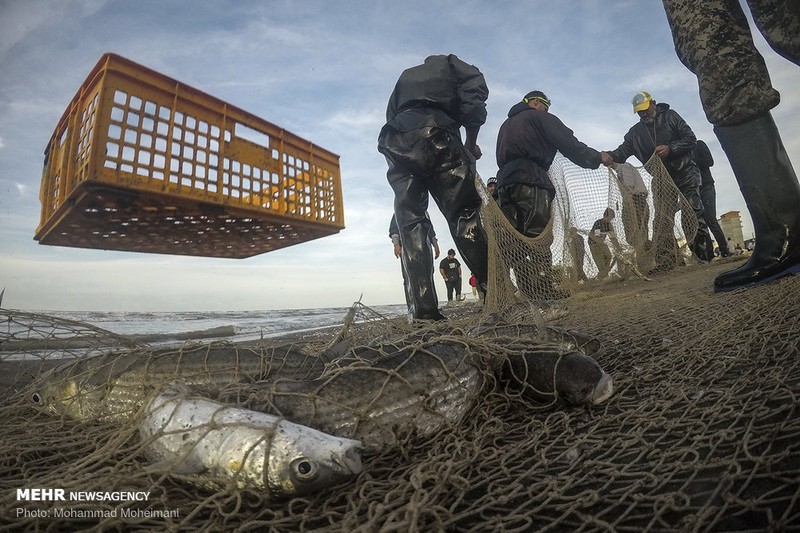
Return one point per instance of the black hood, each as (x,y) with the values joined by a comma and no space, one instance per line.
(518,108)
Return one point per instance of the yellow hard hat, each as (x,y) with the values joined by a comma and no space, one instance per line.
(641,101)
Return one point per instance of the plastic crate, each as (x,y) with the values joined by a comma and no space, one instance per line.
(141,162)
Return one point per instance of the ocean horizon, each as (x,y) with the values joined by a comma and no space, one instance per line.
(166,326)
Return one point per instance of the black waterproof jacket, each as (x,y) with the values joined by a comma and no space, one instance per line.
(668,128)
(704,161)
(443,92)
(527,143)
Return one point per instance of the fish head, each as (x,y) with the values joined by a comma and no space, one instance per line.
(303,460)
(77,388)
(581,381)
(67,398)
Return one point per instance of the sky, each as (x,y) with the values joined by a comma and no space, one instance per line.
(322,69)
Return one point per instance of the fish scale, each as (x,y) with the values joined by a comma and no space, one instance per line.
(413,391)
(113,386)
(219,446)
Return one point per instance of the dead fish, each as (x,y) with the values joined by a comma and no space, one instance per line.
(224,447)
(377,398)
(545,374)
(549,352)
(568,339)
(114,386)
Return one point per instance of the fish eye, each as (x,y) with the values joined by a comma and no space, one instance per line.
(305,469)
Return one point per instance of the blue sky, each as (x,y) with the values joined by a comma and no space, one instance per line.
(323,70)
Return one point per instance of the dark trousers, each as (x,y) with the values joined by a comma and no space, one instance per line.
(665,200)
(733,78)
(453,285)
(690,188)
(527,208)
(433,161)
(709,196)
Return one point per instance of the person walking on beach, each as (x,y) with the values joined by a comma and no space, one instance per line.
(421,142)
(635,210)
(450,269)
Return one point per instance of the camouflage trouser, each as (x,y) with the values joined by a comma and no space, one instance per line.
(712,38)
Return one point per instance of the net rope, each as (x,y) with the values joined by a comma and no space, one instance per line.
(701,433)
(650,231)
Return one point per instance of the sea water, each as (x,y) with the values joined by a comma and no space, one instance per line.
(245,325)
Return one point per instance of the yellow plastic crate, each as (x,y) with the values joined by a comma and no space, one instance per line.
(141,162)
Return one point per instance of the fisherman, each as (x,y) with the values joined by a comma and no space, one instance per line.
(422,145)
(663,131)
(526,146)
(712,38)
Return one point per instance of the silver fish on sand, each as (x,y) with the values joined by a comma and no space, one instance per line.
(221,446)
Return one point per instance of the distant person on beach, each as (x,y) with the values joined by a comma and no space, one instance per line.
(601,254)
(491,186)
(708,194)
(713,39)
(450,269)
(421,141)
(473,282)
(578,251)
(394,235)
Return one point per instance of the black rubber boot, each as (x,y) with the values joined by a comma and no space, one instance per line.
(772,194)
(702,247)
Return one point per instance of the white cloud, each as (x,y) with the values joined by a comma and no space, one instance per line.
(20,19)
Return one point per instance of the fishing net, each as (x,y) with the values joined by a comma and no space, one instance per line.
(700,434)
(31,343)
(651,226)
